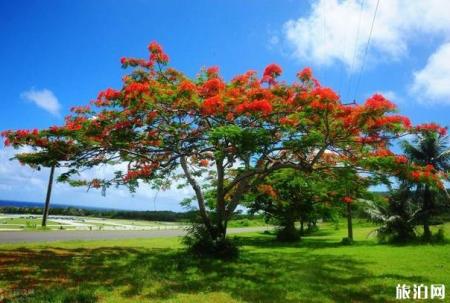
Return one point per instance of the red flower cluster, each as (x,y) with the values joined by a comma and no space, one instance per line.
(13,137)
(305,74)
(135,62)
(96,183)
(426,174)
(288,121)
(74,124)
(272,70)
(347,199)
(151,116)
(325,98)
(369,139)
(431,127)
(244,78)
(378,102)
(136,88)
(267,190)
(390,120)
(187,86)
(157,54)
(212,71)
(262,106)
(144,171)
(104,97)
(212,87)
(270,73)
(212,106)
(203,162)
(382,153)
(401,159)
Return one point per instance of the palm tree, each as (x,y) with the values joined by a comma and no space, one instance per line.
(429,148)
(397,218)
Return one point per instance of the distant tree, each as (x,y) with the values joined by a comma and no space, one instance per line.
(287,197)
(49,152)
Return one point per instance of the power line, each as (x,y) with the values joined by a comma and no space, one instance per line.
(355,48)
(365,51)
(324,25)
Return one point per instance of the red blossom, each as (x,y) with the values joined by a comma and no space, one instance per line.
(157,54)
(212,71)
(262,106)
(388,121)
(272,70)
(382,153)
(431,127)
(187,86)
(135,88)
(305,74)
(203,162)
(325,94)
(267,189)
(347,199)
(155,47)
(378,102)
(270,73)
(401,159)
(415,175)
(212,106)
(104,97)
(212,87)
(96,183)
(288,121)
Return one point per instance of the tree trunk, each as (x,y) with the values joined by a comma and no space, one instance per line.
(199,195)
(302,228)
(220,201)
(349,222)
(47,198)
(426,213)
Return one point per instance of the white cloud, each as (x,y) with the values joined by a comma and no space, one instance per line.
(337,31)
(432,83)
(44,98)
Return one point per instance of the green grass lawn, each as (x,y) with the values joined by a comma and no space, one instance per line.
(247,222)
(317,269)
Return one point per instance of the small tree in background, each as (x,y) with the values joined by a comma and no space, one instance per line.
(288,196)
(49,152)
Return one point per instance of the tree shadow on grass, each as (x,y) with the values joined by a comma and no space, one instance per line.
(312,241)
(259,275)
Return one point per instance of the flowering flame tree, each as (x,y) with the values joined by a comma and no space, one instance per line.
(229,134)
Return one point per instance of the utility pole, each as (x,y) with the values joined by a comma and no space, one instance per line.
(47,198)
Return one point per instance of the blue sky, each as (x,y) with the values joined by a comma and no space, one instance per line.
(57,54)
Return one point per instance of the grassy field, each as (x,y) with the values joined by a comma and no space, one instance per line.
(317,269)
